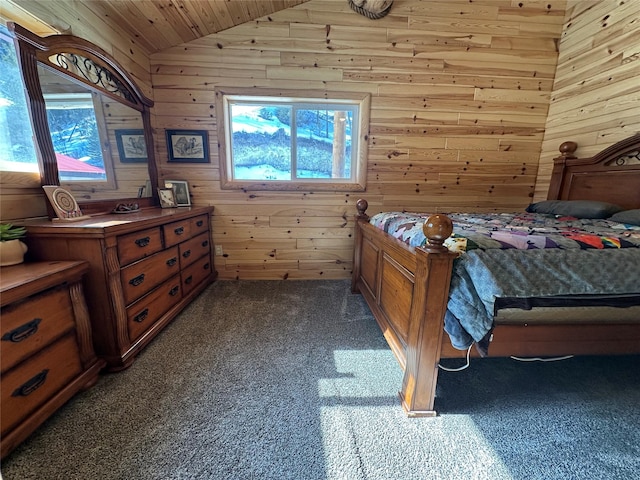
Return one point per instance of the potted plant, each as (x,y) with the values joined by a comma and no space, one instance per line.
(12,249)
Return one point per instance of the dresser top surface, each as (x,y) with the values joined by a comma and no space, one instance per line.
(20,281)
(116,223)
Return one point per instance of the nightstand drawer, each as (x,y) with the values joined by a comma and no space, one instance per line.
(36,380)
(193,249)
(141,277)
(143,313)
(30,325)
(135,246)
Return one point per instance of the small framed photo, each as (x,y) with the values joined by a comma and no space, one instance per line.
(131,146)
(180,192)
(167,199)
(188,146)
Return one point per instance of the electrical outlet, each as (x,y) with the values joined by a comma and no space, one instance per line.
(219,250)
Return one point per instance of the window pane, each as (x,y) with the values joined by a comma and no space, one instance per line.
(76,140)
(17,151)
(261,143)
(323,141)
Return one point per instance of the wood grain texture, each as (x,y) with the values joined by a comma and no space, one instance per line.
(596,95)
(460,91)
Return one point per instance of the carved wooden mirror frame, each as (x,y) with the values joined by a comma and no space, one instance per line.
(88,64)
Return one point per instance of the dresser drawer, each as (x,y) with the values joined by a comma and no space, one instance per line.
(141,277)
(143,313)
(193,275)
(33,382)
(32,324)
(177,232)
(193,249)
(199,224)
(135,246)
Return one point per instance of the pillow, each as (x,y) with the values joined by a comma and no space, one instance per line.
(575,208)
(630,217)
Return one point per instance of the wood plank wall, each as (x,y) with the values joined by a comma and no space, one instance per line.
(596,94)
(460,93)
(476,76)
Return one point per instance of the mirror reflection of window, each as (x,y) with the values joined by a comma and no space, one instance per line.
(76,136)
(17,152)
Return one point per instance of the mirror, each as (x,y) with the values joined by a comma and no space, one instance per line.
(99,143)
(91,122)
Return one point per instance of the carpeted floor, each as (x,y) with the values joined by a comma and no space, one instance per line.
(293,380)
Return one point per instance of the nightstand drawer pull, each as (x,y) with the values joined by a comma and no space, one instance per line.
(172,261)
(186,254)
(174,291)
(205,243)
(189,279)
(143,242)
(137,280)
(32,385)
(179,231)
(199,223)
(22,332)
(206,266)
(141,316)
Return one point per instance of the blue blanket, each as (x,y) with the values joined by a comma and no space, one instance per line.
(522,256)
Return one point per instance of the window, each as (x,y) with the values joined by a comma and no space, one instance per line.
(293,143)
(17,150)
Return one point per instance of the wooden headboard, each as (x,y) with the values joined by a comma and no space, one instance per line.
(613,175)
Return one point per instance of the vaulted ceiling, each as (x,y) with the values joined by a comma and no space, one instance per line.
(153,24)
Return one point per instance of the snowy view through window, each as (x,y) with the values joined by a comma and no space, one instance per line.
(263,147)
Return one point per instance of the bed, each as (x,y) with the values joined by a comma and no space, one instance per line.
(409,288)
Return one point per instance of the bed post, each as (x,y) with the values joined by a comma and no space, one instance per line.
(426,322)
(361,206)
(567,151)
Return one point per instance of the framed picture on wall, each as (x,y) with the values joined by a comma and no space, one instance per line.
(180,192)
(131,145)
(188,146)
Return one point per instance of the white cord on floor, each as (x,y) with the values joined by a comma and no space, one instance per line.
(459,369)
(538,359)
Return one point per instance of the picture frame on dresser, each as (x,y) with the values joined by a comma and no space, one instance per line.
(180,192)
(167,198)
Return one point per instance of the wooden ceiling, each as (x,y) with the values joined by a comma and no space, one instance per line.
(153,25)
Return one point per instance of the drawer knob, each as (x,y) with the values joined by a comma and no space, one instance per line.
(31,385)
(189,279)
(186,254)
(206,266)
(22,332)
(137,280)
(172,261)
(141,316)
(199,223)
(205,243)
(143,242)
(179,231)
(174,291)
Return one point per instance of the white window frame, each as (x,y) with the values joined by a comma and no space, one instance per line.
(225,97)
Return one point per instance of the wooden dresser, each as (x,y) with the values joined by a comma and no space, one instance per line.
(47,354)
(145,267)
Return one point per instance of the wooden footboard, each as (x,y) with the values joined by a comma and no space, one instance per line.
(407,290)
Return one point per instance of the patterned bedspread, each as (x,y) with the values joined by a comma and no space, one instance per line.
(524,255)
